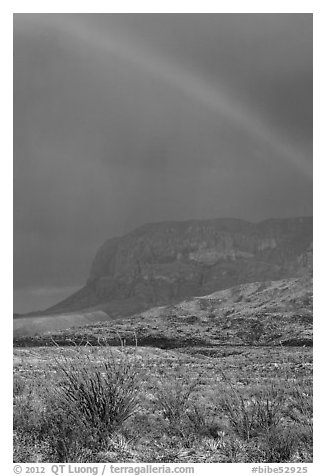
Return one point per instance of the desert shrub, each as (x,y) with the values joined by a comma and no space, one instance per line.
(268,406)
(88,403)
(300,409)
(33,413)
(101,396)
(254,414)
(172,397)
(173,400)
(28,407)
(234,450)
(205,422)
(279,445)
(66,435)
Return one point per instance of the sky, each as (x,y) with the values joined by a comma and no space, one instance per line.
(125,119)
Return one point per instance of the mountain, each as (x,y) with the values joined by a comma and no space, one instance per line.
(164,263)
(261,313)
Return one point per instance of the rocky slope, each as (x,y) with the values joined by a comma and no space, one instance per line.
(164,263)
(262,313)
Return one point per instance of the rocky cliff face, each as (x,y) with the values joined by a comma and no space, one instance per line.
(165,262)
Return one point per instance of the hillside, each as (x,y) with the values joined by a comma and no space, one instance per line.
(163,263)
(261,313)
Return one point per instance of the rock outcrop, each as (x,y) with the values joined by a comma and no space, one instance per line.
(165,262)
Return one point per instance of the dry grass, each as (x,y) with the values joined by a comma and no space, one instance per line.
(87,404)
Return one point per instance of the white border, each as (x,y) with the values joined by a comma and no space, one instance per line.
(319,187)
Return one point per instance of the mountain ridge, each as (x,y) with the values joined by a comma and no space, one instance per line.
(269,313)
(164,262)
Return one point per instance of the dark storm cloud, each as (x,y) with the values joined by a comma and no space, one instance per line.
(125,119)
(264,58)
